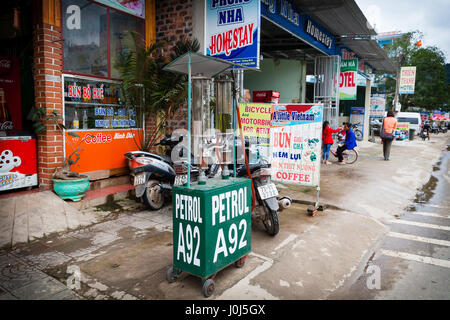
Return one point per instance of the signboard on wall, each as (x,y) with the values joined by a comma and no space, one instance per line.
(347,79)
(133,7)
(377,106)
(102,150)
(295,143)
(357,117)
(286,15)
(407,80)
(232,31)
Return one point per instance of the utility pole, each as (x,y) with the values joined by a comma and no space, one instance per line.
(397,83)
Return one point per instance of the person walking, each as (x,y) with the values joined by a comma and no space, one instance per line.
(389,126)
(349,144)
(327,140)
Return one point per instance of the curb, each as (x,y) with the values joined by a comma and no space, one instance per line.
(313,203)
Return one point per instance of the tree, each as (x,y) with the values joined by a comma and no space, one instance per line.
(151,90)
(431,90)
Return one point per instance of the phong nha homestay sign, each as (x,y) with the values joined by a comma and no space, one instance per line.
(232,31)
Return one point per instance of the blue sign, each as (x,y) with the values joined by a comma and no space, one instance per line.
(289,17)
(232,31)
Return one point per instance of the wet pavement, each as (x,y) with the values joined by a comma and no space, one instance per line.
(413,261)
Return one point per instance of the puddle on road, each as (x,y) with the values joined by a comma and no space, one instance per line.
(427,191)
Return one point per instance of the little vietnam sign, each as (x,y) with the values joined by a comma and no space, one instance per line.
(211,225)
(407,80)
(347,79)
(232,31)
(295,143)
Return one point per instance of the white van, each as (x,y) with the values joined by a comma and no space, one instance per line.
(412,117)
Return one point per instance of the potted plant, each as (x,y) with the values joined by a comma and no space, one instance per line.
(67,183)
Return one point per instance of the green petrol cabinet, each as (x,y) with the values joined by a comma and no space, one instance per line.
(211,225)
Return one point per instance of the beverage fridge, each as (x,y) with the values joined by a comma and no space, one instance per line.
(18,165)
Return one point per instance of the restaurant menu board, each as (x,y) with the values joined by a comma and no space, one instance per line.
(99,105)
(96,111)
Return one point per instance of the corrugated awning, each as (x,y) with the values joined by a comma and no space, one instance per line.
(345,20)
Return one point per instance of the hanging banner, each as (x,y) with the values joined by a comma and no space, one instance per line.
(377,106)
(347,80)
(407,80)
(133,7)
(232,31)
(295,143)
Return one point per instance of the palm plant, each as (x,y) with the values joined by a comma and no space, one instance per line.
(153,91)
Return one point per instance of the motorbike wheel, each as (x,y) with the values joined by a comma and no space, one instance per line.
(152,196)
(358,135)
(271,222)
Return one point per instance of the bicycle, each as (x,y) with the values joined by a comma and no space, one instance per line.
(350,156)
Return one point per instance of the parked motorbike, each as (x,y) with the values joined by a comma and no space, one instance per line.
(153,175)
(442,129)
(434,129)
(266,208)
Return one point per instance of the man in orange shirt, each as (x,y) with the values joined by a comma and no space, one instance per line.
(389,124)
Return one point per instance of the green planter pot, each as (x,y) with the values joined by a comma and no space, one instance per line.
(71,189)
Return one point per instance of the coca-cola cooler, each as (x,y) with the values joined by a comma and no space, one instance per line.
(267,96)
(18,165)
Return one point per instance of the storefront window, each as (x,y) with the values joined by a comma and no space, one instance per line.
(88,35)
(122,42)
(85,37)
(96,105)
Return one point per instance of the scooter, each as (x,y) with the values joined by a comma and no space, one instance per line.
(153,175)
(267,206)
(442,129)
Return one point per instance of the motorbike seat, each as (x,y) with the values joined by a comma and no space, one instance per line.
(242,169)
(160,157)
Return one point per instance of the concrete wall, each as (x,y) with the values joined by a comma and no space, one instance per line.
(285,76)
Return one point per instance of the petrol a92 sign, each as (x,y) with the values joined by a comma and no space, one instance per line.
(211,225)
(232,29)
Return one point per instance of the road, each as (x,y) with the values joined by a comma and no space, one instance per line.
(413,261)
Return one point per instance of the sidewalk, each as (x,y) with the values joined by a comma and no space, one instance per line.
(374,187)
(35,215)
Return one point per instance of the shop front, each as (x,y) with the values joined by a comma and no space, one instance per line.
(18,157)
(70,66)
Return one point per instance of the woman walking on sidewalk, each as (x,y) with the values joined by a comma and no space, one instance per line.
(327,140)
(389,126)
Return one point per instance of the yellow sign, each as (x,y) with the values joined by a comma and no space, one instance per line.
(256,119)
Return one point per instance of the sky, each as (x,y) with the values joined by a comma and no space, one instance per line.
(431,17)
